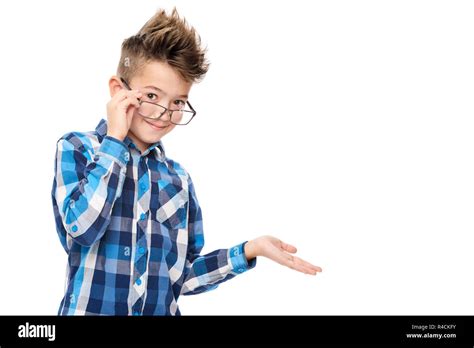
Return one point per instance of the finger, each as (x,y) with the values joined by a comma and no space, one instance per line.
(288,247)
(288,260)
(309,265)
(134,99)
(118,98)
(124,94)
(279,256)
(299,266)
(295,263)
(125,103)
(120,95)
(308,268)
(135,94)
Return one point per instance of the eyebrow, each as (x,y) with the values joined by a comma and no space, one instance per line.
(160,90)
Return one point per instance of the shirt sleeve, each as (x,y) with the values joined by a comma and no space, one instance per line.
(86,188)
(205,272)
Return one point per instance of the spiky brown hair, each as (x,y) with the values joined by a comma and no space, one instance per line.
(166,38)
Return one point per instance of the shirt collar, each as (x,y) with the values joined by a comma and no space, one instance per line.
(157,148)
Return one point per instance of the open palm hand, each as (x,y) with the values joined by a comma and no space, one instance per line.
(279,251)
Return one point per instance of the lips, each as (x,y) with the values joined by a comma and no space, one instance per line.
(156,127)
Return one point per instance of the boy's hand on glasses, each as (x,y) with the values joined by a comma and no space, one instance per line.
(120,111)
(280,252)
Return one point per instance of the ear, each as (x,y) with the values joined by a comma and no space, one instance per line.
(115,85)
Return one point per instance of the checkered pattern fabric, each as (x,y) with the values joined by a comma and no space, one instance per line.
(131,225)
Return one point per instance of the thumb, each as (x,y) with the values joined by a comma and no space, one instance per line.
(289,248)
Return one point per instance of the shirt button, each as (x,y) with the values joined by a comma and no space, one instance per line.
(143,216)
(241,270)
(126,156)
(141,250)
(72,203)
(74,228)
(139,282)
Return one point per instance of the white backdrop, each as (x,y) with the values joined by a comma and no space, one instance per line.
(343,127)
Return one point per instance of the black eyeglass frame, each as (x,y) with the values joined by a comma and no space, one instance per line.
(170,112)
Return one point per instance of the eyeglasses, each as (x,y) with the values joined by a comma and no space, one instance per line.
(150,110)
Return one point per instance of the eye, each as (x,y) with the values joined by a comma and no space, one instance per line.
(151,96)
(180,103)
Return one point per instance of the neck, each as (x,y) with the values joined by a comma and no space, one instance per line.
(142,146)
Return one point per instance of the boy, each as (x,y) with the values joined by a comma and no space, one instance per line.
(127,215)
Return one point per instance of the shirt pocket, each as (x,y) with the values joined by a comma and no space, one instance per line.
(174,213)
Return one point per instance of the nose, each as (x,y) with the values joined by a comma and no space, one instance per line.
(166,116)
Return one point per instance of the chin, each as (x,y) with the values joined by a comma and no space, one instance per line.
(146,134)
(152,139)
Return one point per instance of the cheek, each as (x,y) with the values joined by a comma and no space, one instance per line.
(139,126)
(136,120)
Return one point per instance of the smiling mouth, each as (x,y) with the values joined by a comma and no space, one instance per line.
(155,126)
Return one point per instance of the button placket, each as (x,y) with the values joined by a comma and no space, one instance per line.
(142,205)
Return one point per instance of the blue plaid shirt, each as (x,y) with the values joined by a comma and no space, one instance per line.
(131,225)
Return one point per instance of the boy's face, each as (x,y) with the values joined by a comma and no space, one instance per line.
(160,84)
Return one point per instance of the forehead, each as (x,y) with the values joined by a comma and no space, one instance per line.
(164,77)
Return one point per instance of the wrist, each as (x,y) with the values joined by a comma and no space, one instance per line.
(250,250)
(116,135)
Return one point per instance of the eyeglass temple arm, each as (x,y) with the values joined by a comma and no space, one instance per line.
(127,86)
(125,83)
(190,106)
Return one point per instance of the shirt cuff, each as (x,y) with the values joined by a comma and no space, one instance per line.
(238,260)
(116,149)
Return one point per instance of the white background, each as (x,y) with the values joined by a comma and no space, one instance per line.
(342,127)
